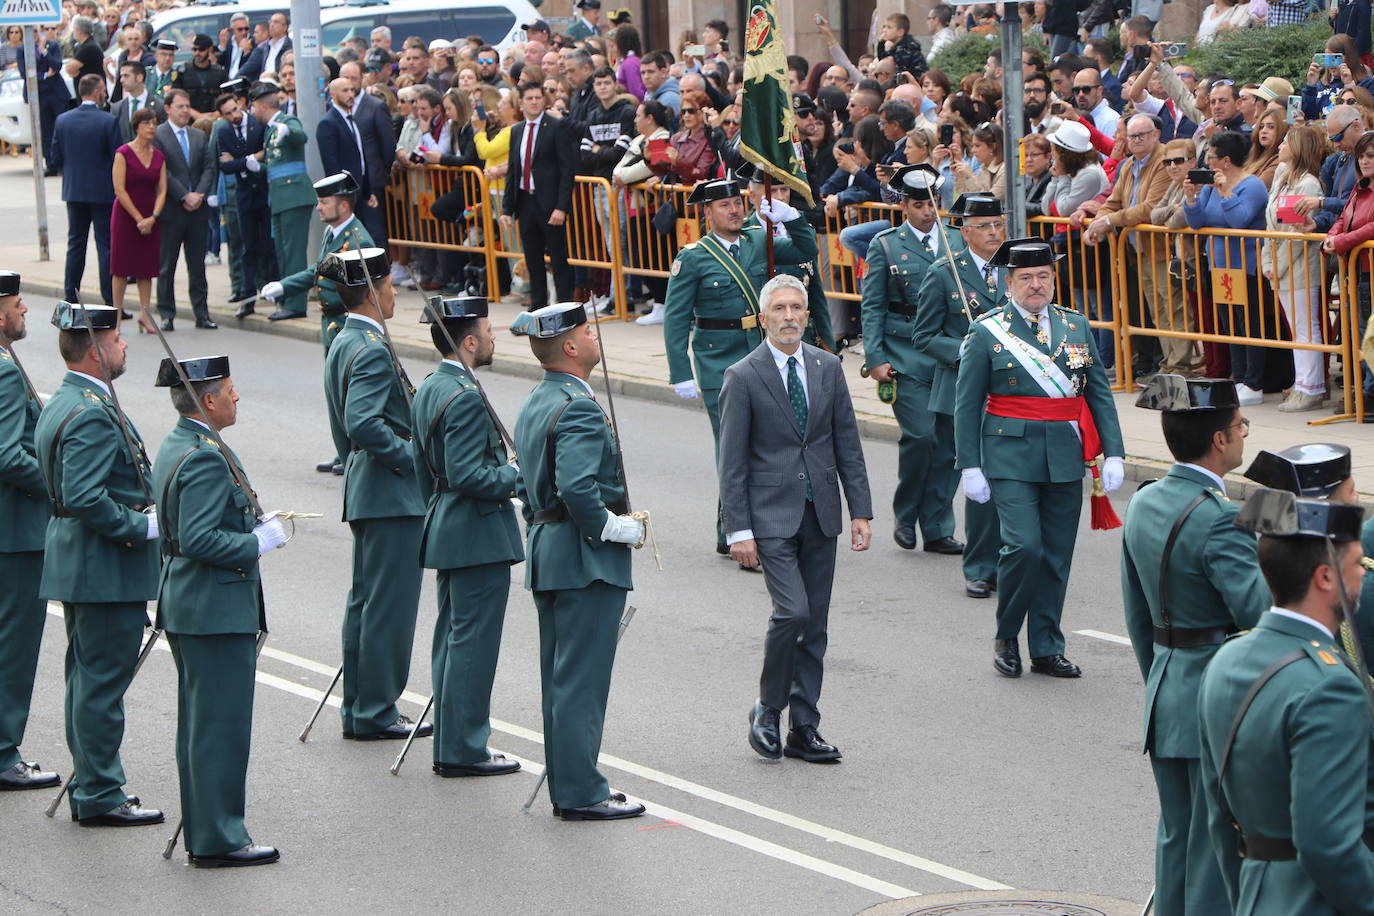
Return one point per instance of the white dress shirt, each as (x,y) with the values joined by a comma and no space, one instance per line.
(269,63)
(1221,484)
(93,380)
(1294,615)
(527,181)
(372,321)
(352,125)
(932,238)
(1037,322)
(333,232)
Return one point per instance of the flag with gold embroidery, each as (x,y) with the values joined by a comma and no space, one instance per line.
(768,135)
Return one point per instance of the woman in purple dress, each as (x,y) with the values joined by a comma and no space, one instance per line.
(140,185)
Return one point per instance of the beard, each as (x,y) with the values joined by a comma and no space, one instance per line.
(1034,109)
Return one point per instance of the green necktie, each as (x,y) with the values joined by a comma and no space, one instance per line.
(797,396)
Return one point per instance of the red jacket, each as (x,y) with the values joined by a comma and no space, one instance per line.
(696,159)
(1355,225)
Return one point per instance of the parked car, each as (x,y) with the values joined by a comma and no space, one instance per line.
(14,114)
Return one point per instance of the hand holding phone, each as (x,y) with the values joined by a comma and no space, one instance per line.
(1202,176)
(947,134)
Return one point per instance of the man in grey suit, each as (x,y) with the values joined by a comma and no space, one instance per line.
(133,80)
(191,175)
(788,440)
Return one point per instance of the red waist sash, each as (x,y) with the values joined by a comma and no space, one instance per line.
(1020,407)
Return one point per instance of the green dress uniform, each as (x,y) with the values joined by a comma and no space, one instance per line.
(819,332)
(471,538)
(210,604)
(1364,613)
(352,235)
(570,478)
(580,29)
(369,419)
(291,198)
(158,83)
(26,509)
(1034,468)
(100,563)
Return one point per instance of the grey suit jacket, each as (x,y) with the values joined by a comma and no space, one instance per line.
(123,110)
(184,177)
(765,462)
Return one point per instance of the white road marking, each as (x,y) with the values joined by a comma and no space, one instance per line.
(1097,634)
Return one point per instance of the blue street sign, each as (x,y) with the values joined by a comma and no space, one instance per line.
(30,12)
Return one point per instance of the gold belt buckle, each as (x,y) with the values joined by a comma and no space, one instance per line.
(749,322)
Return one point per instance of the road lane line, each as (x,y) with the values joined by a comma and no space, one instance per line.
(1095,634)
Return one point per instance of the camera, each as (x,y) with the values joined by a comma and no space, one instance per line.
(416,158)
(1175,49)
(1202,176)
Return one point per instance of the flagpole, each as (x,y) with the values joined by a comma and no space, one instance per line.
(767,223)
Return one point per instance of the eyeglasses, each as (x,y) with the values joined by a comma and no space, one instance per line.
(1179,161)
(1140,136)
(989,225)
(1037,92)
(1243,424)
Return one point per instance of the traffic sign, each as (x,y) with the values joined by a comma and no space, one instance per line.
(30,12)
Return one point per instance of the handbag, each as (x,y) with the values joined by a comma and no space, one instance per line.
(664,219)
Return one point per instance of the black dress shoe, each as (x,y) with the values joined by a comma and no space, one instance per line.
(239,858)
(327,466)
(129,814)
(905,536)
(945,545)
(612,809)
(977,588)
(495,765)
(807,744)
(167,325)
(205,324)
(283,314)
(398,730)
(27,776)
(763,731)
(338,469)
(723,549)
(125,315)
(245,310)
(1006,657)
(1055,666)
(752,569)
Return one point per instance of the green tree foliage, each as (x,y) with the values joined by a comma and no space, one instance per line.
(1250,55)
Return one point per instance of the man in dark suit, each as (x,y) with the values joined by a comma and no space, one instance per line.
(339,138)
(53,97)
(788,441)
(133,80)
(236,44)
(379,145)
(185,217)
(267,57)
(238,137)
(83,148)
(539,185)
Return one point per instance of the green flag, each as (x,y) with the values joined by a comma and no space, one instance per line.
(768,135)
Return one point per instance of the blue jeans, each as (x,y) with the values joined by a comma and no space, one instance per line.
(858,237)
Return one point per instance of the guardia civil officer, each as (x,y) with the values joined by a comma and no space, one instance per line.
(26,509)
(1189,579)
(288,187)
(573,493)
(1032,406)
(210,605)
(899,259)
(1285,724)
(100,555)
(960,287)
(470,535)
(712,303)
(366,392)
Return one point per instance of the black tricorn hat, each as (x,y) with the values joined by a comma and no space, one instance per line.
(9,283)
(452,308)
(1281,514)
(353,268)
(69,316)
(1031,252)
(261,89)
(342,184)
(917,182)
(236,86)
(200,369)
(1178,394)
(1313,470)
(550,321)
(971,205)
(714,189)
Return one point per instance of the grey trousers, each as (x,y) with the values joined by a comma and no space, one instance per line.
(798,571)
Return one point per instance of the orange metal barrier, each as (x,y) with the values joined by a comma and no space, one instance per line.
(409,210)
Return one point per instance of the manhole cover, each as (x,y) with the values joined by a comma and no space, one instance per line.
(1008,908)
(1020,902)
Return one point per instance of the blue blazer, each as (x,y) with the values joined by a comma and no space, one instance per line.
(379,140)
(251,187)
(51,86)
(84,141)
(339,151)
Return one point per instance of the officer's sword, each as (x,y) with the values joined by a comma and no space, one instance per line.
(114,397)
(624,625)
(390,347)
(1149,904)
(305,732)
(246,300)
(410,738)
(610,406)
(954,270)
(1355,649)
(28,382)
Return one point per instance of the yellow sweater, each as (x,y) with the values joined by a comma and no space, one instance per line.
(494,152)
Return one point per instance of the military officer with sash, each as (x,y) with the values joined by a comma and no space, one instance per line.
(1189,578)
(25,506)
(960,287)
(573,493)
(1032,407)
(1285,724)
(368,397)
(210,605)
(100,555)
(470,535)
(288,188)
(712,302)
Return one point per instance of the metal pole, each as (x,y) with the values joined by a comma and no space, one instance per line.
(1013,119)
(310,90)
(40,196)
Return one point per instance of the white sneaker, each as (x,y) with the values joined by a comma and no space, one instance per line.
(604,305)
(211,258)
(654,317)
(1247,396)
(1299,401)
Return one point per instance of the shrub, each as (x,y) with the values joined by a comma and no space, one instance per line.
(1250,55)
(969,54)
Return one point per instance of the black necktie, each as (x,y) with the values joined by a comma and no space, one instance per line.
(925,240)
(734,251)
(797,396)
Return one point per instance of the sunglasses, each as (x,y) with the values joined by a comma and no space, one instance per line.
(1078,89)
(1223,83)
(486,60)
(1347,102)
(1336,138)
(691,111)
(1179,161)
(731,123)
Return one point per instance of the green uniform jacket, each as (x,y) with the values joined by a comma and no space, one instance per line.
(887,334)
(1213,580)
(212,587)
(24,503)
(353,237)
(701,287)
(941,325)
(1364,612)
(288,183)
(1030,450)
(579,29)
(1299,771)
(101,554)
(585,478)
(818,328)
(369,420)
(470,520)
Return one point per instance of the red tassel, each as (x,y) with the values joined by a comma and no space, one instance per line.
(1104,517)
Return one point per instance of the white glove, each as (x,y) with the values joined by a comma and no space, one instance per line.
(272,290)
(271,534)
(687,389)
(513,463)
(252,164)
(151,512)
(778,212)
(976,485)
(1113,472)
(212,201)
(622,529)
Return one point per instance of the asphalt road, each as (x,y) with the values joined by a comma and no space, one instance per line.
(953,778)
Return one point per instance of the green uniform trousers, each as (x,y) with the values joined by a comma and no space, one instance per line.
(1187,874)
(711,398)
(926,479)
(291,235)
(214,729)
(102,646)
(22,615)
(1039,523)
(229,221)
(467,642)
(983,540)
(577,636)
(379,621)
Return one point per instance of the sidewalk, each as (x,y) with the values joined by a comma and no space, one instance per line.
(635,355)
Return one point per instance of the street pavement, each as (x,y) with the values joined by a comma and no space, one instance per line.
(953,778)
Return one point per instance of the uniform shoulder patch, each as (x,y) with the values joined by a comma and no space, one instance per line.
(888,231)
(1066,309)
(676,268)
